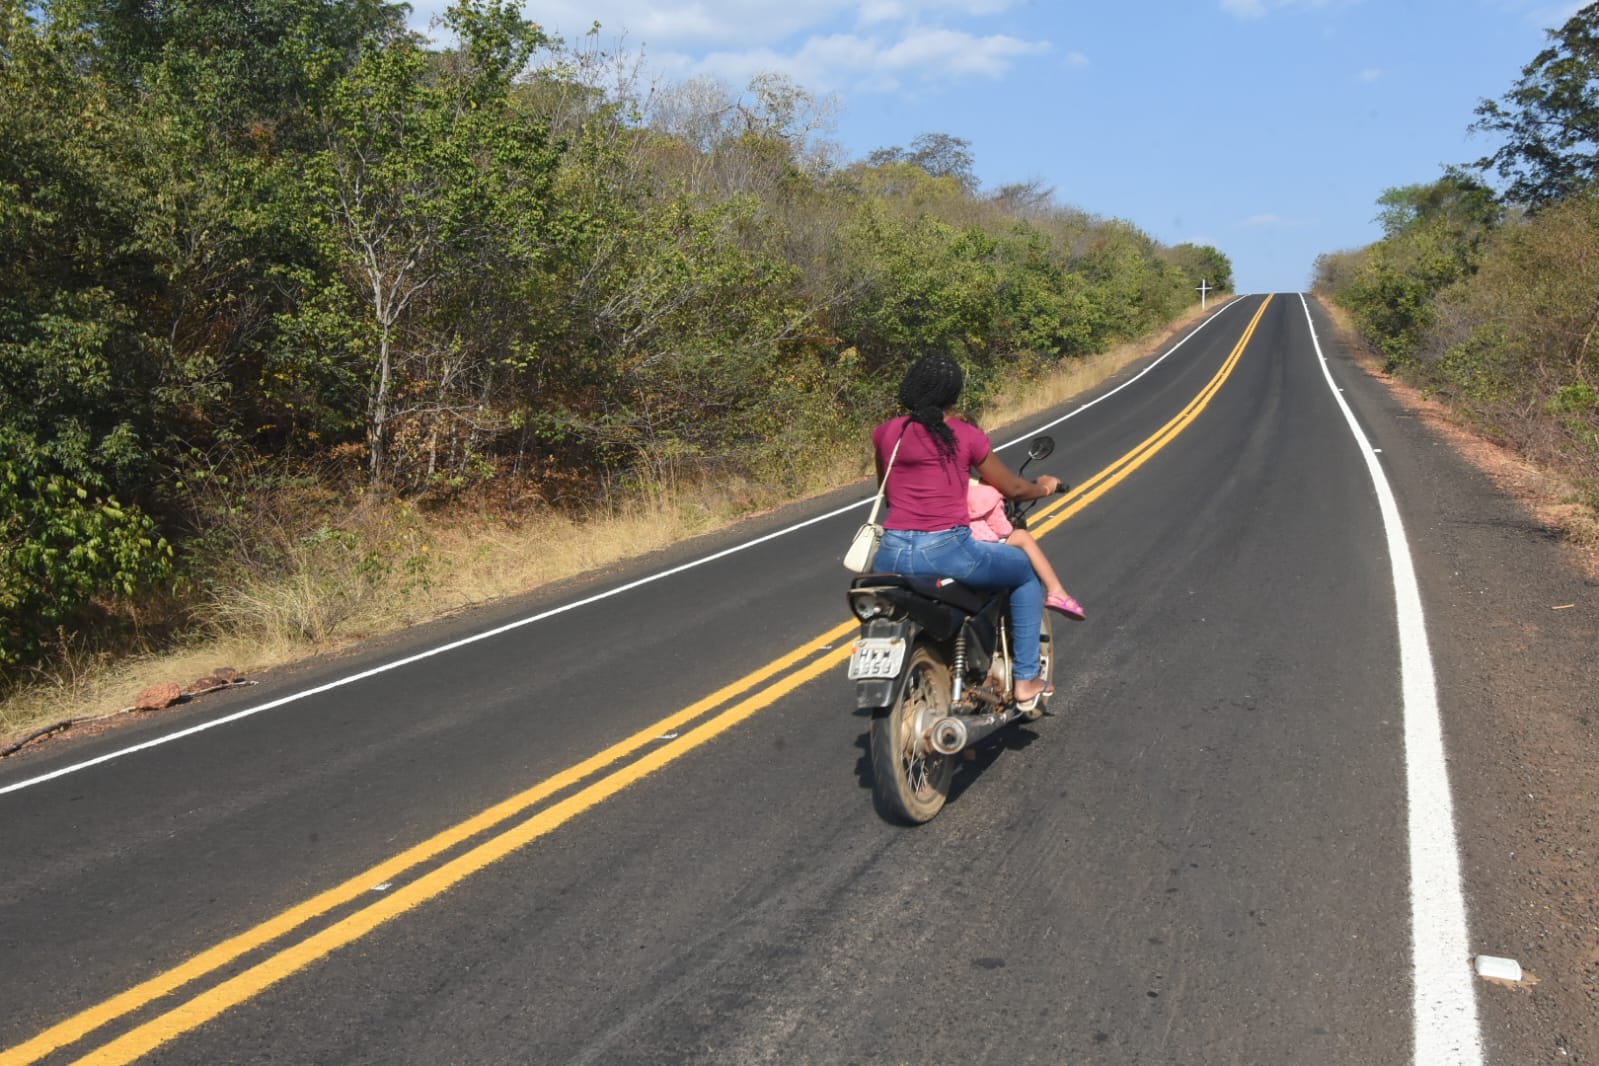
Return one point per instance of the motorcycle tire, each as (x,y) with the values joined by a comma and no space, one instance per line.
(910,782)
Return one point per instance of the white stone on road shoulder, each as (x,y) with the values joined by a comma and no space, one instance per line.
(1497,968)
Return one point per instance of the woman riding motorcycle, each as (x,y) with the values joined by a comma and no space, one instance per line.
(926,533)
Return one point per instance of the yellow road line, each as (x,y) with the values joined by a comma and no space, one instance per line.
(251,982)
(82,1024)
(1108,478)
(214,1001)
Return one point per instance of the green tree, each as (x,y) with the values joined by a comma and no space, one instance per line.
(268,237)
(429,193)
(1046,313)
(1202,262)
(1132,287)
(1517,340)
(74,364)
(1436,235)
(1457,202)
(1550,119)
(918,285)
(62,544)
(1332,272)
(938,154)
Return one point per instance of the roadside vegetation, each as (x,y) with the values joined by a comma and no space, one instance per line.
(307,326)
(1489,298)
(445,559)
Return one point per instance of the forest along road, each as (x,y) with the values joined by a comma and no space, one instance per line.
(639,829)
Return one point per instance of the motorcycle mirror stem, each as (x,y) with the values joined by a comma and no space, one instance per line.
(1040,448)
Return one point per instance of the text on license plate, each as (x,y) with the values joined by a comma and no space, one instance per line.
(876,657)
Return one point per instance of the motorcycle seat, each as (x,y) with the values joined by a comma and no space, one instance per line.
(942,589)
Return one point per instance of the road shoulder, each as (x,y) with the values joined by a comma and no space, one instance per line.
(1512,601)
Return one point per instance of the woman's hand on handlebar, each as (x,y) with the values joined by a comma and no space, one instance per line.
(1048,483)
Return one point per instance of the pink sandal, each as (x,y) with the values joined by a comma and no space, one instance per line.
(1066,605)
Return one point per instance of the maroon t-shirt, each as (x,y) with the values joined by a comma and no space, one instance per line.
(927,491)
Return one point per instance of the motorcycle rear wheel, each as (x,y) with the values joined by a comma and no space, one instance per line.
(911,781)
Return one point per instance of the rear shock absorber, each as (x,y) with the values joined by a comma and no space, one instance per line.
(959,667)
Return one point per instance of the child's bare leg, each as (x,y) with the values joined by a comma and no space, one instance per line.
(1046,573)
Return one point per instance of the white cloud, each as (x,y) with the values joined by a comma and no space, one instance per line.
(1255,221)
(1369,75)
(877,64)
(696,25)
(692,23)
(827,45)
(1076,59)
(941,52)
(1254,9)
(875,11)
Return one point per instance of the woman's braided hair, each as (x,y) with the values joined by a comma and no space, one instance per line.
(932,384)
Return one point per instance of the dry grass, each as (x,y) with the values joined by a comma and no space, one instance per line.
(334,595)
(83,684)
(381,570)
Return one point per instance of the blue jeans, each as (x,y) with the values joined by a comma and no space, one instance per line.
(981,564)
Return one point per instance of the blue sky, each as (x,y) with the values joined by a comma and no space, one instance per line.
(1265,127)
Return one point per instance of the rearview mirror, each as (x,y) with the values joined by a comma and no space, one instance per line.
(1041,447)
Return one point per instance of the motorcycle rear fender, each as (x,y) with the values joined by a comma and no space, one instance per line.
(878,694)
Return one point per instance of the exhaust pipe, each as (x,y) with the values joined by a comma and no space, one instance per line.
(950,734)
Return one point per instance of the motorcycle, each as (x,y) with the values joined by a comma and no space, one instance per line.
(933,665)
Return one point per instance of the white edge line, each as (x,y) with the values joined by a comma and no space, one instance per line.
(508,627)
(1444,998)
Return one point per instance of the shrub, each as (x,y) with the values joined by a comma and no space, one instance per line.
(64,545)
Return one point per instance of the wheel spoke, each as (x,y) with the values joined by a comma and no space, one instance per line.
(914,779)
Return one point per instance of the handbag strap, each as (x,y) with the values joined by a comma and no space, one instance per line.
(878,502)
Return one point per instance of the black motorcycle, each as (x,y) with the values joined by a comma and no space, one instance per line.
(933,664)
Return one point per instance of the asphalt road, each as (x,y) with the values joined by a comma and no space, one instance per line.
(639,829)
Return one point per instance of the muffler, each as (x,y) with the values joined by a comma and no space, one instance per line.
(950,734)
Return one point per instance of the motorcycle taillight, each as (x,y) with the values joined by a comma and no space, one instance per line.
(869,603)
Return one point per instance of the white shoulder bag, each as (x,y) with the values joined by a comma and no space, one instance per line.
(863,549)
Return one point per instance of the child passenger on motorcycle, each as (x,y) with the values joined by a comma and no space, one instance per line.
(985,508)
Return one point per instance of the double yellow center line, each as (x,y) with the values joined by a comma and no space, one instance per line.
(642,754)
(1108,478)
(813,658)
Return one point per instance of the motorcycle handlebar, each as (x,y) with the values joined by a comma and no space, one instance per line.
(1016,510)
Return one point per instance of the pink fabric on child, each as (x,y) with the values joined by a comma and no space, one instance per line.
(985,511)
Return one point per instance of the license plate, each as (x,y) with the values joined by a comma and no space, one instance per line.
(876,657)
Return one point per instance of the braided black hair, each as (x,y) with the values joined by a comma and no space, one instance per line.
(932,384)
